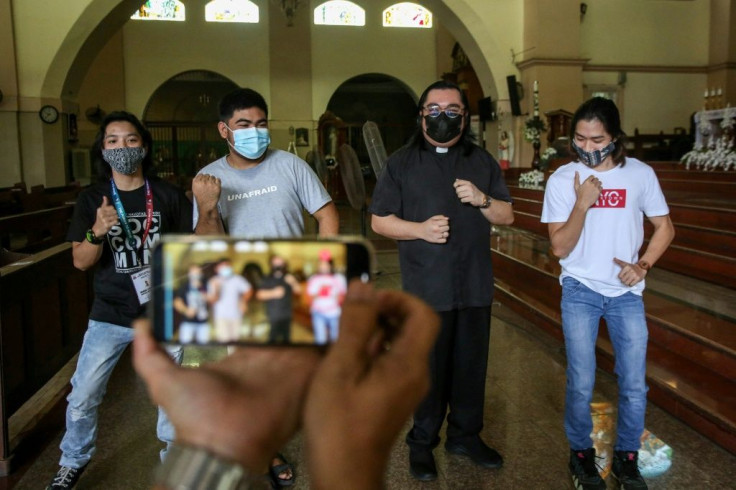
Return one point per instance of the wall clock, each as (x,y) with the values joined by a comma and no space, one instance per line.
(49,114)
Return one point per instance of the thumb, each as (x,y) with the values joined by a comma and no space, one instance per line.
(577,179)
(357,326)
(148,358)
(105,202)
(620,262)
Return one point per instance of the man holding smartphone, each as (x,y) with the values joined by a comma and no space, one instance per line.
(255,191)
(438,196)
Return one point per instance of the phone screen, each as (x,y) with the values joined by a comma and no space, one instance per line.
(222,290)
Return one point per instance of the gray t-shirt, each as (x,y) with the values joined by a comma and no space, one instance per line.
(266,201)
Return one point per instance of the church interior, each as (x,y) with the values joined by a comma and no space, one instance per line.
(327,68)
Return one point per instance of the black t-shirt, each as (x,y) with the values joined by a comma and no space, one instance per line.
(277,309)
(116,300)
(417,184)
(193,297)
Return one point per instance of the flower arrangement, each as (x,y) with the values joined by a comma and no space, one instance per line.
(533,178)
(718,153)
(546,155)
(534,126)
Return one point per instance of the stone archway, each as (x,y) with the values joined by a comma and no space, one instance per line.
(182,115)
(375,97)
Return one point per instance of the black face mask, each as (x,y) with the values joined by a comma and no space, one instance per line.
(278,271)
(442,128)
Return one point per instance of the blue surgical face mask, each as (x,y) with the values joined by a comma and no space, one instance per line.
(251,142)
(595,157)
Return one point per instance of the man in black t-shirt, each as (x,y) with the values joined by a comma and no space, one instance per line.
(276,291)
(190,300)
(438,197)
(114,227)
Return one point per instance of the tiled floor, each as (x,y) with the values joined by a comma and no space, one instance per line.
(524,405)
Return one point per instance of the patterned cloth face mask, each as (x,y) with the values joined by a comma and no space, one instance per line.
(125,160)
(595,157)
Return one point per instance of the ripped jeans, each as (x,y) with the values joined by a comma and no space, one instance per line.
(103,345)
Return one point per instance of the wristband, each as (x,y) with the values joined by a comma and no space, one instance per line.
(644,265)
(191,468)
(486,201)
(92,238)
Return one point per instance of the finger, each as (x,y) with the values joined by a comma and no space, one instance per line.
(105,202)
(620,262)
(419,324)
(149,360)
(357,325)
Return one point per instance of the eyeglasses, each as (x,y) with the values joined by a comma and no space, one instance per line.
(452,111)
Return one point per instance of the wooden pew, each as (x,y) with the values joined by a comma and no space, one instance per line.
(44,305)
(36,230)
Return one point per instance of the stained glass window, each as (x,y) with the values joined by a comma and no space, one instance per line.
(339,13)
(160,10)
(407,14)
(231,11)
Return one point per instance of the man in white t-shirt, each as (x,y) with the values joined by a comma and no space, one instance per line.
(595,209)
(326,289)
(228,293)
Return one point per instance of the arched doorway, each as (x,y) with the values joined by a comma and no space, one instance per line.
(182,116)
(375,97)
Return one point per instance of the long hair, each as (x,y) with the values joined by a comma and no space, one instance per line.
(605,111)
(242,98)
(467,138)
(103,168)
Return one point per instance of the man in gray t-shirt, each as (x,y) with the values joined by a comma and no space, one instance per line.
(254,191)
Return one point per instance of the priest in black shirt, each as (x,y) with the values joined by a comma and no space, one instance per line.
(438,197)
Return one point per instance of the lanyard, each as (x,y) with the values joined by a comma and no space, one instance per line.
(124,217)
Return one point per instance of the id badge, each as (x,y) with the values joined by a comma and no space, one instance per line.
(142,284)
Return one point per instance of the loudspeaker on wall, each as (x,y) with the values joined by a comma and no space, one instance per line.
(513,95)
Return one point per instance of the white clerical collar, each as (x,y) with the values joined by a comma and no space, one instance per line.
(440,149)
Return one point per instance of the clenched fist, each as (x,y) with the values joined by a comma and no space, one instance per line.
(206,189)
(436,229)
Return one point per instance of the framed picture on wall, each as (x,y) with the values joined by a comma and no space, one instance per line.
(302,137)
(72,131)
(612,92)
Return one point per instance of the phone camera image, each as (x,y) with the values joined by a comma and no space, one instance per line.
(227,291)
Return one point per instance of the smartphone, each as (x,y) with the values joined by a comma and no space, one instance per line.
(222,290)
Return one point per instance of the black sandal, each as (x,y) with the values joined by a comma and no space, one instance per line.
(277,469)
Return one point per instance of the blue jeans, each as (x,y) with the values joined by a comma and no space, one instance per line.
(582,309)
(325,327)
(102,347)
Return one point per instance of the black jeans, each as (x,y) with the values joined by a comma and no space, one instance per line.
(457,367)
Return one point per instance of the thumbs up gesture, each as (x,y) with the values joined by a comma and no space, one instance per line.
(107,217)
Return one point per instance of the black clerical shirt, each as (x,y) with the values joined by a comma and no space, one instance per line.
(417,184)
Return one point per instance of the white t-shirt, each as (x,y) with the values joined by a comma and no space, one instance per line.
(266,201)
(327,291)
(231,289)
(614,226)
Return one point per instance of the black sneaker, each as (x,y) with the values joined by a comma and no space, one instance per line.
(65,478)
(584,471)
(625,468)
